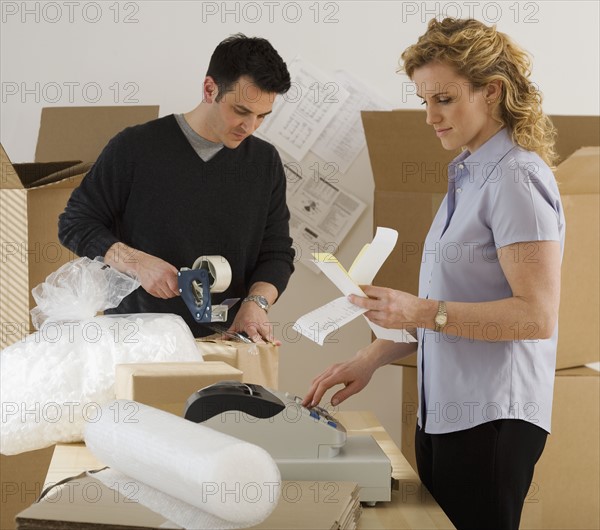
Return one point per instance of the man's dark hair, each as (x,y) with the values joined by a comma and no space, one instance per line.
(253,57)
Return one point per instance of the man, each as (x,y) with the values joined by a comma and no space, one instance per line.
(164,193)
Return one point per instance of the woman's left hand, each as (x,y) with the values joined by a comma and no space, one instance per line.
(387,307)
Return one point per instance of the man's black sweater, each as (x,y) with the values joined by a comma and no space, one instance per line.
(150,190)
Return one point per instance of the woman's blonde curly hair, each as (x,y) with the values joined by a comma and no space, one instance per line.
(481,54)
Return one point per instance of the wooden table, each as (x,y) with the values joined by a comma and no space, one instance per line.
(411,506)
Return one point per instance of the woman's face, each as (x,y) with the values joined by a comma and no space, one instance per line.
(460,114)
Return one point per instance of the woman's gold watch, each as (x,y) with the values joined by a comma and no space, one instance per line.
(441,318)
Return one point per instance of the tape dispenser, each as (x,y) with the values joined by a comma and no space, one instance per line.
(209,274)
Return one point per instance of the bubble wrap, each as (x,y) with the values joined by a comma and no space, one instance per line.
(53,382)
(192,475)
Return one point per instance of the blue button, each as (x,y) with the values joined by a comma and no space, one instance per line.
(333,424)
(314,415)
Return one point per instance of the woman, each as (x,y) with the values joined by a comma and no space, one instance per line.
(487,320)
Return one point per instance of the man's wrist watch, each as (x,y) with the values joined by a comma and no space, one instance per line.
(441,318)
(260,301)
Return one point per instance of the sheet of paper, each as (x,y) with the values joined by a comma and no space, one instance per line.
(332,268)
(373,256)
(321,212)
(300,116)
(396,335)
(344,138)
(321,322)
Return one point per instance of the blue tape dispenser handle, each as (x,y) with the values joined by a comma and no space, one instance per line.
(194,286)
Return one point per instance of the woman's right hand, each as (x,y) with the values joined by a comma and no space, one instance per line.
(354,374)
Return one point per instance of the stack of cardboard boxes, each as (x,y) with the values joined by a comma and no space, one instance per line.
(410,170)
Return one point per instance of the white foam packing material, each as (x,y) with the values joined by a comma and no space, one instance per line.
(192,475)
(55,380)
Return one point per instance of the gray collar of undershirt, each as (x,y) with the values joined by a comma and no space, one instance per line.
(205,149)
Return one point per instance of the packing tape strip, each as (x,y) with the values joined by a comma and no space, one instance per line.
(219,269)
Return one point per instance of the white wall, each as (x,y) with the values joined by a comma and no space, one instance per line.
(160,56)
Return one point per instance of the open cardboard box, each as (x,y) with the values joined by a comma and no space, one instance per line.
(410,170)
(32,196)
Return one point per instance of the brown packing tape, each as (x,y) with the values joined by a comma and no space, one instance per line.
(258,362)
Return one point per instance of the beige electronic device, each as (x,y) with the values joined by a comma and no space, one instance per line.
(306,443)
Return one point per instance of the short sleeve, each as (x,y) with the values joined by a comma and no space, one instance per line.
(525,204)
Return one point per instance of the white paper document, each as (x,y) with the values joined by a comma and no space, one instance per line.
(344,138)
(321,322)
(300,116)
(321,212)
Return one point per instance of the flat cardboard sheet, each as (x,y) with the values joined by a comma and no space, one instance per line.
(84,502)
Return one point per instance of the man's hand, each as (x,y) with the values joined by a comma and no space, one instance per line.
(156,276)
(255,323)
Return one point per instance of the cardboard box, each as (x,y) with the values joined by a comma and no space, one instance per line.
(258,362)
(410,171)
(565,491)
(167,386)
(579,314)
(410,407)
(22,480)
(32,196)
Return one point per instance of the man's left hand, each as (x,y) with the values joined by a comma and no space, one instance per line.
(255,323)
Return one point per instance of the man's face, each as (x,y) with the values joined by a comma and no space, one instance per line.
(238,113)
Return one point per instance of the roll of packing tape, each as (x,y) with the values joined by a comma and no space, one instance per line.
(219,270)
